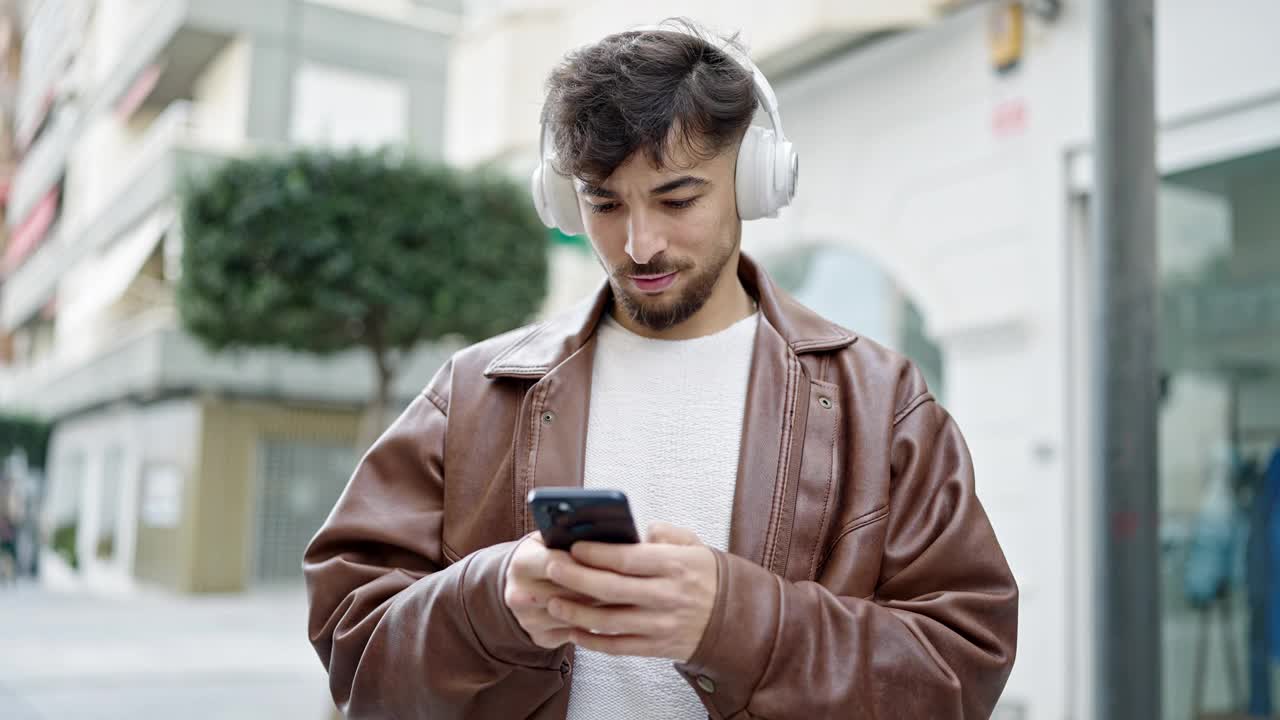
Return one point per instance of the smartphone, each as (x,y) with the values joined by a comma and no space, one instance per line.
(566,515)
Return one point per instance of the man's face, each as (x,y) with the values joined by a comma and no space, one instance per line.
(667,237)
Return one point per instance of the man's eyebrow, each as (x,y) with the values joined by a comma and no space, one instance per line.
(597,191)
(679,183)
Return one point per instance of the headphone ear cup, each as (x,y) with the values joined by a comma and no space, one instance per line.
(765,180)
(555,200)
(786,168)
(562,201)
(753,179)
(539,197)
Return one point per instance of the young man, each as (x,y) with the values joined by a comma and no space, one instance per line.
(815,548)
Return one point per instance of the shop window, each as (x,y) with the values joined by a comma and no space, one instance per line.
(1219,432)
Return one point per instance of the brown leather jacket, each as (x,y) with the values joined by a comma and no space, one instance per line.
(863,578)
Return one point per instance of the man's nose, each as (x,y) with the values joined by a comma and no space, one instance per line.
(645,240)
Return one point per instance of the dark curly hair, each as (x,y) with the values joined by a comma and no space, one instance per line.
(647,91)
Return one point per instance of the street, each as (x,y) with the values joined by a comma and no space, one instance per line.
(66,655)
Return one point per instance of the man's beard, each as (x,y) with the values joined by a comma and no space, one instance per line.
(658,312)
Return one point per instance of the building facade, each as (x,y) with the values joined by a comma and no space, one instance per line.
(170,465)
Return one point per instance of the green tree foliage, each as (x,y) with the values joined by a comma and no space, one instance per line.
(18,432)
(322,252)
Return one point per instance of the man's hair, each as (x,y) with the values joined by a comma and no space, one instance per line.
(649,91)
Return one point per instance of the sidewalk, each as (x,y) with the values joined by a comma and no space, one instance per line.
(71,655)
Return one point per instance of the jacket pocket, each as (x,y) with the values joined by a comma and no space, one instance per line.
(851,565)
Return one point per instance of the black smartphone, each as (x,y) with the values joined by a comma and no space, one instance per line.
(566,515)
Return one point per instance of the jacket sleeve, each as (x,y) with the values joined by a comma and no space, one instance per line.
(935,640)
(402,632)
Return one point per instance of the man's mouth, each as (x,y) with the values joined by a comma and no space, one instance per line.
(653,284)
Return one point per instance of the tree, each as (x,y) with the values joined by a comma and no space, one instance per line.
(321,252)
(25,433)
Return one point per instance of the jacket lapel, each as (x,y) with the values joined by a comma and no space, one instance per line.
(551,432)
(554,426)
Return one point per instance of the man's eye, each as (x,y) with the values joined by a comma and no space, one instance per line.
(602,208)
(680,204)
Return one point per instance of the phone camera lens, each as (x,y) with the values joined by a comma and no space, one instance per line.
(564,507)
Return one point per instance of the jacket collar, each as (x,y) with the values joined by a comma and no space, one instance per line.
(548,344)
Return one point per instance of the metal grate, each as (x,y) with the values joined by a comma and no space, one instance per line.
(298,484)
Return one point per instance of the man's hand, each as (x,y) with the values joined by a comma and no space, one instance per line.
(657,596)
(529,590)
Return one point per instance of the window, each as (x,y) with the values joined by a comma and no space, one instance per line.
(341,108)
(1219,254)
(109,502)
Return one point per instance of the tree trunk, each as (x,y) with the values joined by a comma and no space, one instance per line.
(375,419)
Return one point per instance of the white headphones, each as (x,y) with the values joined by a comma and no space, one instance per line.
(765,181)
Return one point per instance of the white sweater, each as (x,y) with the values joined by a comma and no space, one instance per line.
(664,426)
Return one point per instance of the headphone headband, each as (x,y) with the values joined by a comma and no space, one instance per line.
(763,90)
(767,165)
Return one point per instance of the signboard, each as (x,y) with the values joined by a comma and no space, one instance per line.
(161,496)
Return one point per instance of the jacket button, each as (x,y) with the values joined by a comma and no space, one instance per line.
(706,683)
(548,417)
(825,403)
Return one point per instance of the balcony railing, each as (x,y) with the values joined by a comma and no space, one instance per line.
(149,356)
(168,149)
(43,166)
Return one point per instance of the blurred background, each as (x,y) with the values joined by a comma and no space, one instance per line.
(168,447)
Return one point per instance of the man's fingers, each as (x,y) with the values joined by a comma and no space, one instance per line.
(542,622)
(550,638)
(532,564)
(639,560)
(666,533)
(553,639)
(537,593)
(605,585)
(623,620)
(632,645)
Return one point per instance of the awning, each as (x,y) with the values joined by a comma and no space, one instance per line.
(100,280)
(28,236)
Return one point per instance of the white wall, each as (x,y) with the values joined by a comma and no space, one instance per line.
(112,29)
(392,9)
(498,68)
(221,108)
(164,433)
(401,11)
(97,156)
(572,273)
(1211,54)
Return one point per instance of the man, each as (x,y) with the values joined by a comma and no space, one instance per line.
(814,545)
